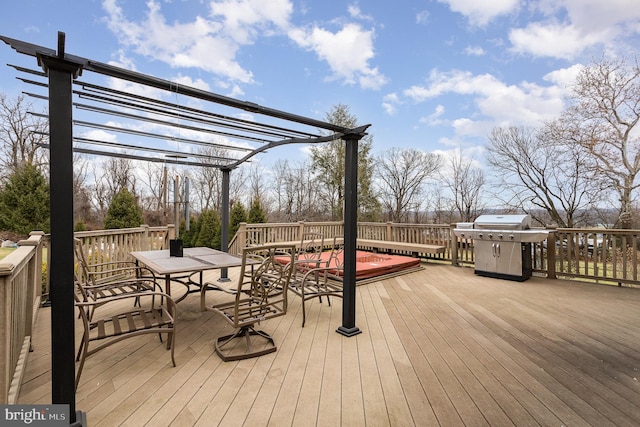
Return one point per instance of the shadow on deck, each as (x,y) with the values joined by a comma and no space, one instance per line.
(440,346)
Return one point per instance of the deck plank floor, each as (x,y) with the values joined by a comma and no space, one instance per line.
(440,346)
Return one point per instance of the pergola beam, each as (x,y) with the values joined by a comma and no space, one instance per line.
(61,69)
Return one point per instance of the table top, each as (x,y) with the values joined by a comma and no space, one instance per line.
(194,259)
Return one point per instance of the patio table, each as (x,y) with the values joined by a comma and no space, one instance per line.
(182,269)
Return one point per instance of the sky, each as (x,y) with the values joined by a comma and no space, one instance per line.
(436,75)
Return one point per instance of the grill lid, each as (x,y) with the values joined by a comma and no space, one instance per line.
(503,222)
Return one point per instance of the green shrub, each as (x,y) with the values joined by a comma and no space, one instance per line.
(123,212)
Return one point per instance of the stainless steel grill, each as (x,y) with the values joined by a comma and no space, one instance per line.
(502,244)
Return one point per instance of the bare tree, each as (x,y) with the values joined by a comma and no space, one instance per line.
(296,192)
(465,182)
(208,180)
(602,119)
(403,174)
(21,134)
(282,189)
(154,177)
(81,195)
(538,173)
(118,173)
(111,176)
(100,199)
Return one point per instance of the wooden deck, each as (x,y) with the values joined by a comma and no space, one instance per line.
(441,346)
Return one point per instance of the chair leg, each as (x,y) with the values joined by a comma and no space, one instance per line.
(82,359)
(171,341)
(246,332)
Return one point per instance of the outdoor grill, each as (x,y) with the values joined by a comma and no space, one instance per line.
(502,244)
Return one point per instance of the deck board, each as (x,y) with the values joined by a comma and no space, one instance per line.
(440,346)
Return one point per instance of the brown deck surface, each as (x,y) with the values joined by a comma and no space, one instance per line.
(440,346)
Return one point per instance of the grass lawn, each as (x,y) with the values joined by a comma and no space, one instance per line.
(5,251)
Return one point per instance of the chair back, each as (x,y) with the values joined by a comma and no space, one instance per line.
(337,253)
(81,259)
(263,283)
(309,252)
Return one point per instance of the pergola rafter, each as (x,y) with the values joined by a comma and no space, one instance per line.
(275,128)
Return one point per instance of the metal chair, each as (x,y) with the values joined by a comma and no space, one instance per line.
(118,324)
(110,279)
(261,295)
(323,279)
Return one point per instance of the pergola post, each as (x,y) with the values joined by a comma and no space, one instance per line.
(224,217)
(61,72)
(349,327)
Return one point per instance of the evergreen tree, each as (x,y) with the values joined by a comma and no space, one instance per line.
(123,212)
(238,214)
(327,162)
(24,201)
(256,213)
(189,236)
(210,230)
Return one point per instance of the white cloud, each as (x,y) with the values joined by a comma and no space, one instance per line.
(99,135)
(355,12)
(422,17)
(434,119)
(554,40)
(347,51)
(474,51)
(188,81)
(569,27)
(481,12)
(242,19)
(595,15)
(564,77)
(232,24)
(390,103)
(496,103)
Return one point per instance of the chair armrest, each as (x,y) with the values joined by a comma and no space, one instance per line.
(119,272)
(171,305)
(120,283)
(326,272)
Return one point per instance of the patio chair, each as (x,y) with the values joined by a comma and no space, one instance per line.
(109,279)
(309,253)
(324,279)
(118,323)
(261,295)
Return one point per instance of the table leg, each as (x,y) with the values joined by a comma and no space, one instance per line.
(167,284)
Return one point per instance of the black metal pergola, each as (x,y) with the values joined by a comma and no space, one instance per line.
(185,126)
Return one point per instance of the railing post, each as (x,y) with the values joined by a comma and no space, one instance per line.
(242,237)
(171,233)
(453,241)
(145,243)
(34,278)
(389,235)
(551,254)
(6,270)
(300,230)
(40,244)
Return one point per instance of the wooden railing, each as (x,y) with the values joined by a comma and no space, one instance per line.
(600,255)
(431,234)
(20,292)
(115,245)
(254,234)
(596,255)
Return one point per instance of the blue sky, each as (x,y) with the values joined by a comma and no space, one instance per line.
(436,75)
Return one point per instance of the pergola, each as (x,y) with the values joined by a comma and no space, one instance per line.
(176,125)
